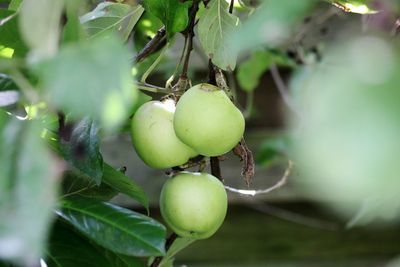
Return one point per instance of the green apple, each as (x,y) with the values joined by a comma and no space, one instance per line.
(207,120)
(154,138)
(193,205)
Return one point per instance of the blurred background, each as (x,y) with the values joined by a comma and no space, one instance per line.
(319,84)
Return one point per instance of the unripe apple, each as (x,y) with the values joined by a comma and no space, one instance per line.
(154,138)
(206,120)
(193,204)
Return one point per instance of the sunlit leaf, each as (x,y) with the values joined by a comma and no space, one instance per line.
(110,17)
(216,26)
(173,13)
(354,6)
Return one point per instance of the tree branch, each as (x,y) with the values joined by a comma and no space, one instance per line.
(278,184)
(158,40)
(189,34)
(168,244)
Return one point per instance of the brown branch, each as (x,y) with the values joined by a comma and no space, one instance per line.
(189,35)
(158,40)
(231,6)
(168,244)
(216,168)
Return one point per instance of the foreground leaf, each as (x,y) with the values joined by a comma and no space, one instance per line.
(117,229)
(215,26)
(91,79)
(110,17)
(125,185)
(28,187)
(45,15)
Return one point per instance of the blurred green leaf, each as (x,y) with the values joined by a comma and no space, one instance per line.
(77,183)
(271,24)
(272,149)
(215,27)
(354,6)
(110,17)
(28,189)
(73,30)
(9,32)
(125,185)
(173,13)
(14,5)
(81,149)
(347,140)
(117,229)
(91,79)
(39,23)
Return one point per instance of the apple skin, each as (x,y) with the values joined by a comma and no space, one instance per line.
(193,205)
(207,120)
(154,138)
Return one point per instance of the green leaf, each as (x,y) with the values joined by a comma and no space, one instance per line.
(14,5)
(250,71)
(117,229)
(81,150)
(67,249)
(91,79)
(179,244)
(110,17)
(77,183)
(272,149)
(73,30)
(10,36)
(173,13)
(216,26)
(125,185)
(271,24)
(354,6)
(28,189)
(39,23)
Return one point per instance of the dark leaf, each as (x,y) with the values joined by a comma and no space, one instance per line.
(76,183)
(117,229)
(82,150)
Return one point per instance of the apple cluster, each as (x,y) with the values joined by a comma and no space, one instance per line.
(166,134)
